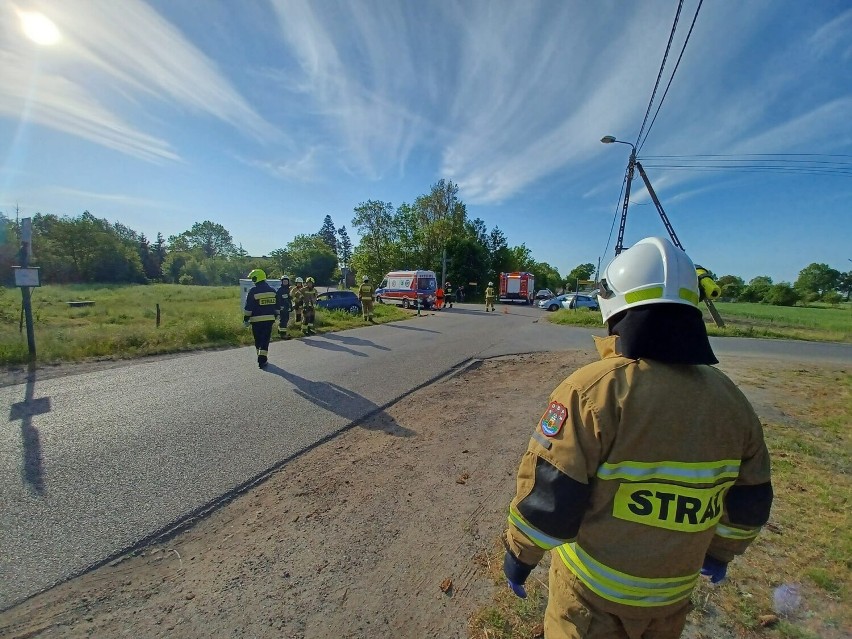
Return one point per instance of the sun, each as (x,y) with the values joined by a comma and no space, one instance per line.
(39,28)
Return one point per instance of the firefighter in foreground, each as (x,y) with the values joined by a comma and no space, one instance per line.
(490,297)
(648,468)
(365,294)
(309,302)
(285,305)
(259,313)
(296,296)
(448,295)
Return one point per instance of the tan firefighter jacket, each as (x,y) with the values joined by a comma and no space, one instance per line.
(308,298)
(635,471)
(365,293)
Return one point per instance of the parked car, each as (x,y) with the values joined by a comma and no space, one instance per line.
(551,304)
(339,301)
(567,300)
(573,300)
(544,294)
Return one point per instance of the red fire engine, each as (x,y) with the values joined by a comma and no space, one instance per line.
(517,287)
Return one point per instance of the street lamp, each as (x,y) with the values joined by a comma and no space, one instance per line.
(610,139)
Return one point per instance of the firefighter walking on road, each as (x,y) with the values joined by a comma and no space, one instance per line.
(309,302)
(448,295)
(648,468)
(365,294)
(490,297)
(259,313)
(296,295)
(285,305)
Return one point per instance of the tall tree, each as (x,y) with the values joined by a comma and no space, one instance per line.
(580,272)
(328,233)
(757,290)
(731,285)
(211,238)
(344,246)
(311,257)
(442,215)
(160,251)
(844,284)
(815,280)
(374,220)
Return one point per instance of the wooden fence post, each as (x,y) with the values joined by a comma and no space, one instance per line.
(158,315)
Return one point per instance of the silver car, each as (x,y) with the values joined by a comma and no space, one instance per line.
(574,300)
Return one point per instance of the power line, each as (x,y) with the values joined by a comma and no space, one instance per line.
(660,74)
(677,64)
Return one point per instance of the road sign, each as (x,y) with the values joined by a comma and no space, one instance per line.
(27,276)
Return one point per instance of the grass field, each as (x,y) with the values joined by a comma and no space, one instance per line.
(122,321)
(812,323)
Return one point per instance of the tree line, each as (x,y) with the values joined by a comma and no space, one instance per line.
(432,233)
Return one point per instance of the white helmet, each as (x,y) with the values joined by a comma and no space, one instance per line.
(652,271)
(299,280)
(490,283)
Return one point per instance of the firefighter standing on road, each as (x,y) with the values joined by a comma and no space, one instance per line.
(309,302)
(285,304)
(296,294)
(365,294)
(648,468)
(448,294)
(489,297)
(439,298)
(259,313)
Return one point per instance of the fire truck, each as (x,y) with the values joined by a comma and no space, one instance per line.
(517,287)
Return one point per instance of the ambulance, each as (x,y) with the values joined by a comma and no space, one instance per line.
(408,288)
(517,287)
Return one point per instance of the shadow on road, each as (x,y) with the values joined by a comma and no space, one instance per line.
(341,401)
(32,465)
(331,346)
(411,328)
(355,341)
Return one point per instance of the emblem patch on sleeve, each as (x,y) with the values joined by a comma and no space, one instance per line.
(553,418)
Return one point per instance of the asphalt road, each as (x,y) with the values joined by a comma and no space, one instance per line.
(95,463)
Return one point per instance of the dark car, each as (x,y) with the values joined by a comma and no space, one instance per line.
(544,294)
(339,301)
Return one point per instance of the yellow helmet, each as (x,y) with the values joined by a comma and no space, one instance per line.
(310,280)
(257,275)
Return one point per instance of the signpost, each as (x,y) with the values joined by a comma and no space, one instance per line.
(27,277)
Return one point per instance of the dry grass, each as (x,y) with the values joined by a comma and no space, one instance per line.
(808,540)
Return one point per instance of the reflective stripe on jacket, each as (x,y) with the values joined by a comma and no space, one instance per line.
(261,303)
(654,466)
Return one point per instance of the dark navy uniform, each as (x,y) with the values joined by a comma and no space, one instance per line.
(260,310)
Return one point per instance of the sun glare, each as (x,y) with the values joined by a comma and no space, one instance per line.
(39,28)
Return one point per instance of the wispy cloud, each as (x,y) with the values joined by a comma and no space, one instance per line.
(127,55)
(304,168)
(836,33)
(116,198)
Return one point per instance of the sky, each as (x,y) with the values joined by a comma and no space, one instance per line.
(265,116)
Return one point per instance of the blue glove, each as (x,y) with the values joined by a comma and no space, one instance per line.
(714,569)
(516,574)
(518,589)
